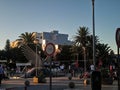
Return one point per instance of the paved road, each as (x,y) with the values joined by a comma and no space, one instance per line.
(58,83)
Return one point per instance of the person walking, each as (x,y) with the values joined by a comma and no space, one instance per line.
(1,73)
(92,68)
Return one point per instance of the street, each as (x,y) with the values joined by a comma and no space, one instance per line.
(58,83)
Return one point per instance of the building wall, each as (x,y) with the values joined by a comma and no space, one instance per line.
(54,37)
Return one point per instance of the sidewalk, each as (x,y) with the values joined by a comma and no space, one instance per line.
(58,83)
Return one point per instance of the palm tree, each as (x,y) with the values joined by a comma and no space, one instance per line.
(82,36)
(90,45)
(103,52)
(81,39)
(28,37)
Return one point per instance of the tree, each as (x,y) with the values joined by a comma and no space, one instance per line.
(84,40)
(32,44)
(65,54)
(17,55)
(7,46)
(7,50)
(30,40)
(2,54)
(81,39)
(103,52)
(27,38)
(90,45)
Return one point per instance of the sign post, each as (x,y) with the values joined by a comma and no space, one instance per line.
(50,50)
(118,46)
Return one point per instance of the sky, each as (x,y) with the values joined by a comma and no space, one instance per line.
(66,16)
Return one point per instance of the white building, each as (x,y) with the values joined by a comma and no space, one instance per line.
(53,37)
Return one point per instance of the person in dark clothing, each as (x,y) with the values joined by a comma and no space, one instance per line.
(1,74)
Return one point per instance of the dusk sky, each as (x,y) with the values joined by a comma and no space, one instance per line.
(66,16)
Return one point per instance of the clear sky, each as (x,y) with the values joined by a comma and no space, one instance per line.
(20,16)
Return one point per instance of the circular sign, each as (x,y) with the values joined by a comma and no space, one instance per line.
(118,37)
(50,49)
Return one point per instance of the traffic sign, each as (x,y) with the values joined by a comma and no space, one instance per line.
(118,37)
(50,49)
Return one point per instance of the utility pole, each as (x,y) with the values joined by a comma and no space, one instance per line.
(94,47)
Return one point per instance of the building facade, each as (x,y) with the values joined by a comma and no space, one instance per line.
(54,37)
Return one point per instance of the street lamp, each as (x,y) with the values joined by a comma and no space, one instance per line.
(93,32)
(36,64)
(40,58)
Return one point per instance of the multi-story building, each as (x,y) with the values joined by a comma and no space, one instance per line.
(54,36)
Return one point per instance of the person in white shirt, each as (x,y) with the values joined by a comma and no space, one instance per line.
(92,68)
(62,67)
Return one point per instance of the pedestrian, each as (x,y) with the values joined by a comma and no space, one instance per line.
(1,73)
(92,68)
(62,67)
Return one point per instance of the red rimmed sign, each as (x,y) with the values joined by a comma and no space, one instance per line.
(50,49)
(118,37)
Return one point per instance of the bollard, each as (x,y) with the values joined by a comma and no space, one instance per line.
(96,80)
(35,79)
(86,82)
(27,83)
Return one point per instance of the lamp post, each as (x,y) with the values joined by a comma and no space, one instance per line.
(93,19)
(40,58)
(36,60)
(36,63)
